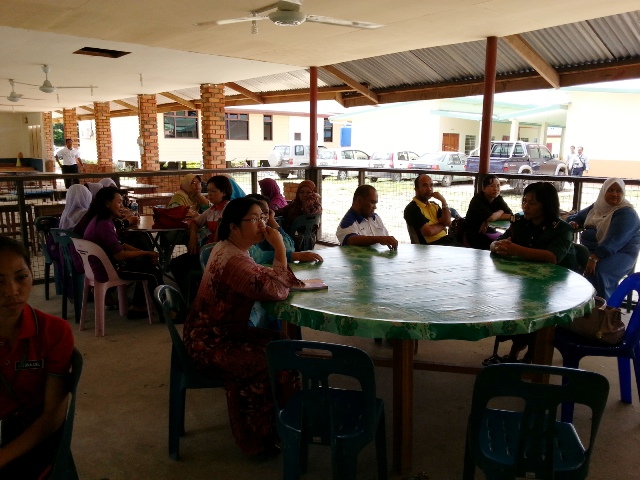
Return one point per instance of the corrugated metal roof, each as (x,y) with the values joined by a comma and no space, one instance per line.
(616,37)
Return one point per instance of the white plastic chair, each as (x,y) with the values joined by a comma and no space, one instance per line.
(85,248)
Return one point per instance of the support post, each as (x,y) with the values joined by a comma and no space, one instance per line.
(487,107)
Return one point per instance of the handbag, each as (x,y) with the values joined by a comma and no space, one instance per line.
(170,217)
(604,323)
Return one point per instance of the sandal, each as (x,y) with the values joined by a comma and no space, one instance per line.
(495,359)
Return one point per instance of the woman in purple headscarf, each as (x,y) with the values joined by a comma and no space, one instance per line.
(270,189)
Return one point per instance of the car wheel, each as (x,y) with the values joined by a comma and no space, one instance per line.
(342,175)
(374,179)
(559,186)
(283,175)
(396,177)
(446,181)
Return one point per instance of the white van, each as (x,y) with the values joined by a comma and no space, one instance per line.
(294,155)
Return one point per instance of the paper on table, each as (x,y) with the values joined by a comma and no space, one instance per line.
(310,284)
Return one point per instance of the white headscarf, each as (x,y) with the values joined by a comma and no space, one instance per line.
(105,182)
(600,215)
(78,201)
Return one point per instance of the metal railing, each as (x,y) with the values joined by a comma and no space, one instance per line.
(26,195)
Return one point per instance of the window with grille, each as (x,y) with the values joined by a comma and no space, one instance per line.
(469,143)
(267,121)
(328,130)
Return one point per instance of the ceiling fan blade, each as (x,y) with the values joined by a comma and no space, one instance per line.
(77,87)
(23,83)
(342,23)
(230,20)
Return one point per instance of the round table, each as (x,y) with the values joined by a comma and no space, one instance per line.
(432,292)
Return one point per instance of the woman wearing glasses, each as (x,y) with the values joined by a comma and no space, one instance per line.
(216,331)
(190,194)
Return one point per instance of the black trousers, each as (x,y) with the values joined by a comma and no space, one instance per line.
(141,269)
(69,169)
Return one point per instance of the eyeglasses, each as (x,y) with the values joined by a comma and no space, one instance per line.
(261,218)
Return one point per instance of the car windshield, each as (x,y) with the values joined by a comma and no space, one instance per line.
(326,154)
(431,157)
(381,156)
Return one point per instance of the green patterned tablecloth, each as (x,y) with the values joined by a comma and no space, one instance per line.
(432,292)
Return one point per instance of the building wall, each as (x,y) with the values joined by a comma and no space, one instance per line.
(606,125)
(14,135)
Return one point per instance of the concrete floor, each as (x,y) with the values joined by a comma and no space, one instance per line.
(122,408)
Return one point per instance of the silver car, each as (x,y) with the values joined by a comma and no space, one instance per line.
(391,159)
(443,162)
(342,157)
(295,155)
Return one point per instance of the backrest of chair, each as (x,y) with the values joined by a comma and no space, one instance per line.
(62,468)
(629,284)
(43,230)
(175,311)
(582,255)
(205,253)
(315,370)
(87,249)
(413,236)
(540,409)
(63,239)
(307,224)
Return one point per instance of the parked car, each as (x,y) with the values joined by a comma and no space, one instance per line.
(390,159)
(342,157)
(520,157)
(294,155)
(442,162)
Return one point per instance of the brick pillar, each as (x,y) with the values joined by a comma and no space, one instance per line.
(213,126)
(47,136)
(148,121)
(104,142)
(70,120)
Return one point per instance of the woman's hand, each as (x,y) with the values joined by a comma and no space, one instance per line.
(193,244)
(272,235)
(133,220)
(155,257)
(483,227)
(306,257)
(590,269)
(504,247)
(272,220)
(574,225)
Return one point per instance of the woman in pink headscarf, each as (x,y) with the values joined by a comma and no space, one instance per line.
(270,189)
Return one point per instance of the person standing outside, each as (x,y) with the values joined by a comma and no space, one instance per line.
(580,164)
(71,162)
(571,158)
(361,226)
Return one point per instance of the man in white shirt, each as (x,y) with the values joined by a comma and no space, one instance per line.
(70,160)
(571,158)
(361,226)
(580,164)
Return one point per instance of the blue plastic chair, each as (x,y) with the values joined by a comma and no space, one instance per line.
(573,347)
(43,227)
(183,374)
(63,239)
(64,467)
(205,253)
(530,442)
(347,420)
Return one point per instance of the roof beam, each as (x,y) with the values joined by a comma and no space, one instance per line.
(247,93)
(88,109)
(182,101)
(352,82)
(133,108)
(533,58)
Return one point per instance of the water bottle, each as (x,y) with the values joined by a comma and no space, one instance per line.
(134,207)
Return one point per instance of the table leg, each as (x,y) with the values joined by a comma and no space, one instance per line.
(543,351)
(402,405)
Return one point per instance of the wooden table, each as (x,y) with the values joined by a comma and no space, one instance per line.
(150,200)
(432,292)
(164,248)
(51,209)
(139,187)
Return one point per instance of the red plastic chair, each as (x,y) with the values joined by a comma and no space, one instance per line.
(85,249)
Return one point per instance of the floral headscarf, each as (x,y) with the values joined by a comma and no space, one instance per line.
(311,205)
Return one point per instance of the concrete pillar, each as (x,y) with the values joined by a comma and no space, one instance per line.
(543,134)
(514,132)
(148,121)
(70,120)
(214,152)
(104,141)
(47,138)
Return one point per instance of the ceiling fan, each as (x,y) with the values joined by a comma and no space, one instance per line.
(16,97)
(47,86)
(286,13)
